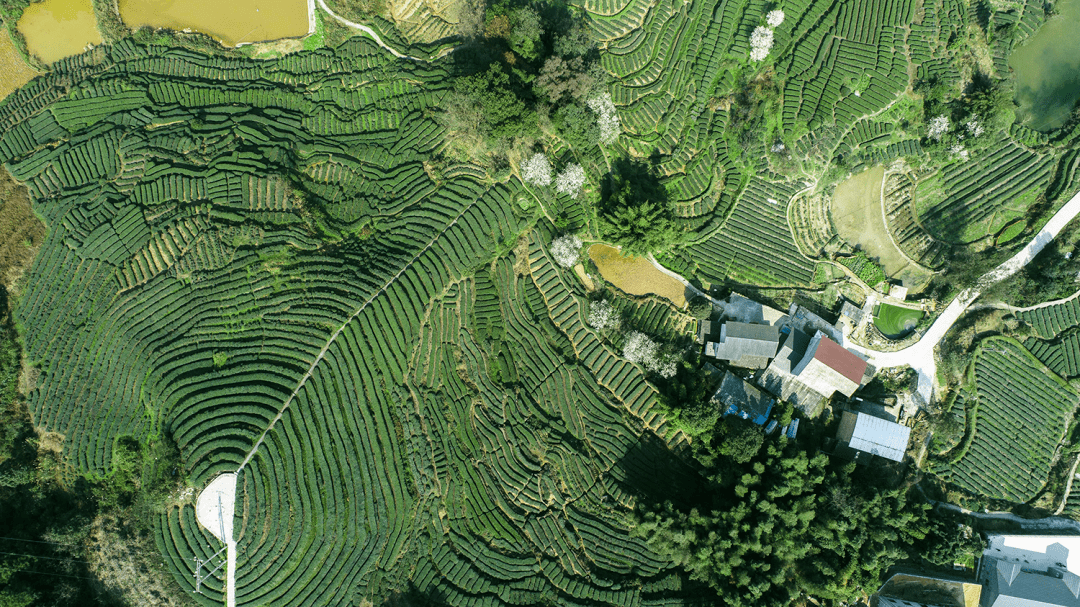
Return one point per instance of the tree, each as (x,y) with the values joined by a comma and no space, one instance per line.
(606,118)
(635,212)
(526,32)
(571,78)
(570,180)
(536,170)
(639,349)
(761,40)
(700,307)
(992,104)
(499,113)
(603,316)
(566,250)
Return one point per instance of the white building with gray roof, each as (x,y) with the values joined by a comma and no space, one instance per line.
(1031,571)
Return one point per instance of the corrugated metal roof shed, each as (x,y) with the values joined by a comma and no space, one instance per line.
(880,437)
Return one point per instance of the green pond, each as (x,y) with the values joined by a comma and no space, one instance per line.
(1047,70)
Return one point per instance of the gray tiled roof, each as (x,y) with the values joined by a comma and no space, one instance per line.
(1028,589)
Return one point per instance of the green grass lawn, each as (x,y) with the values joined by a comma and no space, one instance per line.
(895,321)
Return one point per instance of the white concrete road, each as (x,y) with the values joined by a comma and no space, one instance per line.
(214,510)
(921,354)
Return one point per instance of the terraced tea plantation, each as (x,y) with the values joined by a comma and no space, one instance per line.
(1021,414)
(252,257)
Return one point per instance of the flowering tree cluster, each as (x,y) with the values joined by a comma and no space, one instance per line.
(603,315)
(566,250)
(638,348)
(775,18)
(957,150)
(570,180)
(973,127)
(606,118)
(537,170)
(760,43)
(939,125)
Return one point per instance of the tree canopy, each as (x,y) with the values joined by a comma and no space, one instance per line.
(779,521)
(635,212)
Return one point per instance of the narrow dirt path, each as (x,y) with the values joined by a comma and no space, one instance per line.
(375,36)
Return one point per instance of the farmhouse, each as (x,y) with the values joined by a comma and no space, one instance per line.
(869,434)
(827,367)
(745,345)
(1031,571)
(736,397)
(707,331)
(807,371)
(778,379)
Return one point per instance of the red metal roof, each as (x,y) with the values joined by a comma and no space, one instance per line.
(832,355)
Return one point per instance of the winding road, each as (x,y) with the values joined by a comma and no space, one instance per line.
(374,35)
(920,355)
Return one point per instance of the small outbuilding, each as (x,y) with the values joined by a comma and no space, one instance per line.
(736,397)
(869,434)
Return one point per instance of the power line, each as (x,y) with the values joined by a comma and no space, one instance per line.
(51,558)
(76,577)
(17,539)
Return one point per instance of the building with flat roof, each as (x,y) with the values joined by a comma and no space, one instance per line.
(737,397)
(745,345)
(907,590)
(873,435)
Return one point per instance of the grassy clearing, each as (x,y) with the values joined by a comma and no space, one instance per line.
(1011,231)
(856,213)
(895,321)
(635,275)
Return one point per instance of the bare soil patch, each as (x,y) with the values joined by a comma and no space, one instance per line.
(21,233)
(14,72)
(635,275)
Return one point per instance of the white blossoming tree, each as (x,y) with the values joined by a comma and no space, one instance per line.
(603,315)
(537,170)
(606,118)
(775,18)
(959,151)
(939,125)
(973,127)
(570,180)
(639,349)
(761,41)
(566,250)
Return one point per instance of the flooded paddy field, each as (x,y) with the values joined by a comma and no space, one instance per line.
(1047,69)
(55,29)
(232,22)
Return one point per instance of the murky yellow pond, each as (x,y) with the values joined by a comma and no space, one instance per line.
(13,70)
(231,21)
(55,29)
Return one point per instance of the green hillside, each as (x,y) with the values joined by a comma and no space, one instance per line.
(299,268)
